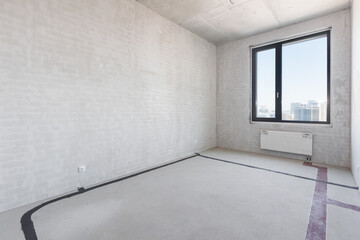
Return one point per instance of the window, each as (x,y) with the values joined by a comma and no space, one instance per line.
(291,80)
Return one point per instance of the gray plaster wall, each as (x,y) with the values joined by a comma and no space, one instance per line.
(107,84)
(355,92)
(234,129)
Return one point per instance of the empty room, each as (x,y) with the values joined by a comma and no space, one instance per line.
(179,119)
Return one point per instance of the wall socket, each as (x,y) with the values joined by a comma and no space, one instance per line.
(81,169)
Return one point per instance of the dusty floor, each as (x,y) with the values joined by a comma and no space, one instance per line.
(200,198)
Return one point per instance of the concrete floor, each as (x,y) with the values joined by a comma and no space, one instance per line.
(198,198)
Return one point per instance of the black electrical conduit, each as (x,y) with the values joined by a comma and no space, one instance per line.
(274,171)
(27,224)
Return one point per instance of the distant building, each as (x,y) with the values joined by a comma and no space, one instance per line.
(306,112)
(322,111)
(263,109)
(312,111)
(287,115)
(294,106)
(312,103)
(263,112)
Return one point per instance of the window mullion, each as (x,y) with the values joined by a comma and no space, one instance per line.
(278,82)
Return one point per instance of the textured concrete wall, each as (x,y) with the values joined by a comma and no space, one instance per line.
(355,92)
(107,84)
(331,143)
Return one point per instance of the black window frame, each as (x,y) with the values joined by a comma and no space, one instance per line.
(278,79)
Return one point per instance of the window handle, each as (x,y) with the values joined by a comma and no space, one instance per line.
(277,95)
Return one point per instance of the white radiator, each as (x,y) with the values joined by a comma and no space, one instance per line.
(290,142)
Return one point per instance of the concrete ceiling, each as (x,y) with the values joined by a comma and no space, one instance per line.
(221,21)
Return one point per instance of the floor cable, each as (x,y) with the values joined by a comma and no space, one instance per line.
(27,224)
(279,172)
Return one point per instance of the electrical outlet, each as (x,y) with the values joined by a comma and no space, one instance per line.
(81,169)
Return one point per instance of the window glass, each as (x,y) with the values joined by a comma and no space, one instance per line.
(265,72)
(304,80)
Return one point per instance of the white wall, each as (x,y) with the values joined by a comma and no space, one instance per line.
(355,91)
(331,143)
(107,84)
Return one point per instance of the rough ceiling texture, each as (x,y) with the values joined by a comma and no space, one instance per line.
(221,21)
